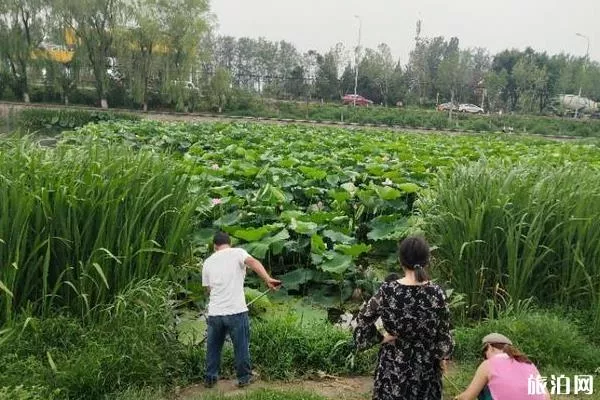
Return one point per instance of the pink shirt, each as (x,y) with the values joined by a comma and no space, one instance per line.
(512,380)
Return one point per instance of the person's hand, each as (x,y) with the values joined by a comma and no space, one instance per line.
(444,365)
(387,338)
(273,283)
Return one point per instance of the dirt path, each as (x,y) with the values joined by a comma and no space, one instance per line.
(353,388)
(330,387)
(334,388)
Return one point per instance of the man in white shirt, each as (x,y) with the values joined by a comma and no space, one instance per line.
(224,273)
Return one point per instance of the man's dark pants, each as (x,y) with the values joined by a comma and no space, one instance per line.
(238,328)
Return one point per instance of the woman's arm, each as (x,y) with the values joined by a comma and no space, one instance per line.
(477,384)
(445,341)
(366,333)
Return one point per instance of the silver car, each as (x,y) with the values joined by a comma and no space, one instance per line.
(470,108)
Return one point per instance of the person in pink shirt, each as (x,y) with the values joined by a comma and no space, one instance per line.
(506,374)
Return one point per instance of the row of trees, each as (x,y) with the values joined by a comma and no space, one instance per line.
(167,49)
(137,43)
(438,70)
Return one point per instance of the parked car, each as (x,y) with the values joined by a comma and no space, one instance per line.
(447,107)
(186,84)
(470,108)
(360,101)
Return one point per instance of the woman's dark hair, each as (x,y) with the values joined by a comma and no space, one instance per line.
(221,238)
(511,350)
(413,253)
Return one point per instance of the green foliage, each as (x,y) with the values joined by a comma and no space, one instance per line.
(133,346)
(544,337)
(284,347)
(55,120)
(324,201)
(425,119)
(260,305)
(527,229)
(84,223)
(25,393)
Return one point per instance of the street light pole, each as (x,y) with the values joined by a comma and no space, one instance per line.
(357,56)
(587,54)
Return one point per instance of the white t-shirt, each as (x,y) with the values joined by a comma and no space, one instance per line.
(224,272)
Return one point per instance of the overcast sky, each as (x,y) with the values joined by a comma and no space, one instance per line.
(547,25)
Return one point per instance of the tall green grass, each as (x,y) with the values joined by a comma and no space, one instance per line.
(523,230)
(284,347)
(79,224)
(547,338)
(134,345)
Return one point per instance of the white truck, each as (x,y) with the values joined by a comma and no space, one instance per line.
(571,104)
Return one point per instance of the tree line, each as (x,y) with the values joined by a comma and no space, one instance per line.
(165,53)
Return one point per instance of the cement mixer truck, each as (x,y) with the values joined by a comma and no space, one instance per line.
(571,104)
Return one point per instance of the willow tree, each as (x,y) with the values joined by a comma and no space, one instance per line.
(94,23)
(139,43)
(185,22)
(21,33)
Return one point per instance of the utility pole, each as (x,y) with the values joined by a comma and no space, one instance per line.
(357,57)
(587,54)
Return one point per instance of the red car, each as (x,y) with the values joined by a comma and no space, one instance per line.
(360,101)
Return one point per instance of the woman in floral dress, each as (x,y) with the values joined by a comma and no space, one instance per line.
(416,338)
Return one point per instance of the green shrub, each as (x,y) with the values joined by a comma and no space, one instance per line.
(546,338)
(283,347)
(26,393)
(260,304)
(133,346)
(528,229)
(55,120)
(85,222)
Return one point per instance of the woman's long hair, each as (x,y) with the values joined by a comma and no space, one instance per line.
(413,253)
(512,352)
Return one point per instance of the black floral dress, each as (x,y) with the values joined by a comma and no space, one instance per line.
(418,316)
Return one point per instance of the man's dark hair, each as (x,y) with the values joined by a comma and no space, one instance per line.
(221,238)
(414,255)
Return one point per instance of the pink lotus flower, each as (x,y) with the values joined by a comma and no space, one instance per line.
(216,201)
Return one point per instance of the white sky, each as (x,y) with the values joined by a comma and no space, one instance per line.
(545,25)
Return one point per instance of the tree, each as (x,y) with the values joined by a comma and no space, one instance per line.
(495,83)
(185,22)
(62,61)
(378,69)
(506,61)
(139,42)
(326,80)
(449,76)
(94,22)
(295,84)
(531,82)
(347,80)
(399,86)
(21,33)
(220,88)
